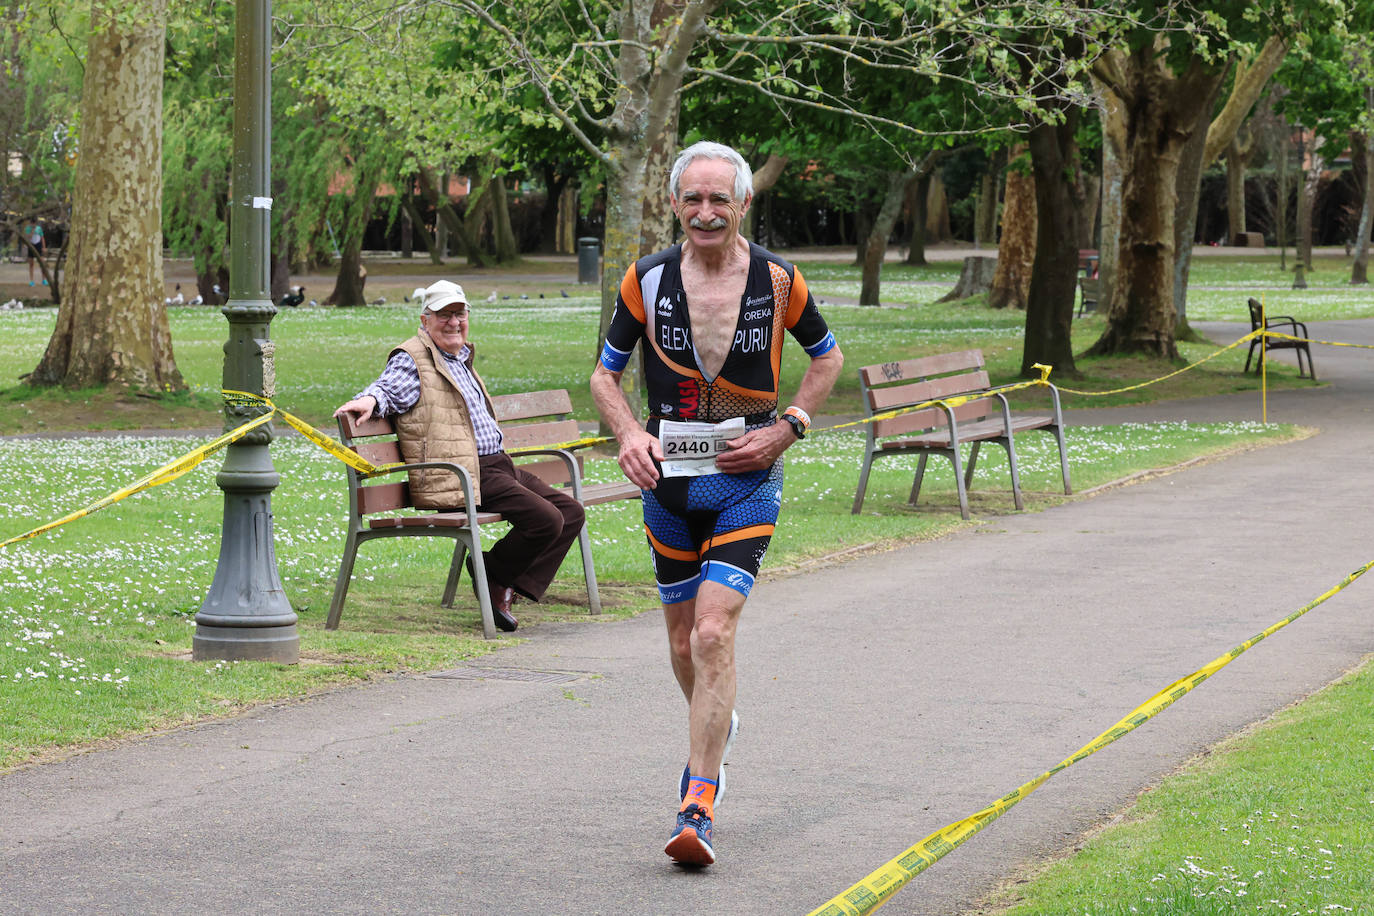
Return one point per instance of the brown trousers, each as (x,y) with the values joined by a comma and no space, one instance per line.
(544,523)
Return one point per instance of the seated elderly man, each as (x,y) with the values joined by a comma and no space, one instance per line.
(443,413)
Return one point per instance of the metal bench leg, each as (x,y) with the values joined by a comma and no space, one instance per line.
(972,460)
(920,476)
(863,483)
(584,541)
(455,570)
(959,482)
(1015,475)
(1063,460)
(350,554)
(479,568)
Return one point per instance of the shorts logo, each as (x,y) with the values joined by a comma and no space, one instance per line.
(736,580)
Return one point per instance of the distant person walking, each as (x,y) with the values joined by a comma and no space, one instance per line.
(33,234)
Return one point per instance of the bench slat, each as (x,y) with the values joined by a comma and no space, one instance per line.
(372,426)
(880,399)
(609,492)
(921,367)
(528,404)
(383,497)
(931,419)
(533,435)
(379,452)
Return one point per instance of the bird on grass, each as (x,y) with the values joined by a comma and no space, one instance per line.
(176,298)
(564,294)
(492,297)
(295,297)
(380,300)
(198,300)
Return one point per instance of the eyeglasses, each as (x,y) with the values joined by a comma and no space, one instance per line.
(450,317)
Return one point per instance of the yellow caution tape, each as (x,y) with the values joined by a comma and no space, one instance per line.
(168,472)
(1211,356)
(332,446)
(879,886)
(1330,343)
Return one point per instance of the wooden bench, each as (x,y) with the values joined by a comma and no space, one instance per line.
(380,508)
(1088,287)
(1287,324)
(940,429)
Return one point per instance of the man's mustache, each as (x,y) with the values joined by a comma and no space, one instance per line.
(696,222)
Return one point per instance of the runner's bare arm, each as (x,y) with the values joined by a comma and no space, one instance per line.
(638,449)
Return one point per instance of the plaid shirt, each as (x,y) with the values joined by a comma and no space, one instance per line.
(398,389)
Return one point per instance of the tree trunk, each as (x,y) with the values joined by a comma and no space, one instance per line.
(765,177)
(1281,170)
(985,214)
(417,226)
(1113,151)
(918,193)
(567,221)
(1161,112)
(549,215)
(975,278)
(449,218)
(1359,271)
(1190,165)
(1307,200)
(112,326)
(897,185)
(348,285)
(503,239)
(1237,159)
(1090,193)
(1054,273)
(937,212)
(1016,250)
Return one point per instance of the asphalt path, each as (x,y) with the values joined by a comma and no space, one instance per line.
(880,699)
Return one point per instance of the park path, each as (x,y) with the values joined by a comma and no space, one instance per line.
(880,699)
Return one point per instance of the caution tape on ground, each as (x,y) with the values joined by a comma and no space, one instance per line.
(879,886)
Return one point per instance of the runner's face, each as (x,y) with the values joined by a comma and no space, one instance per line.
(446,328)
(707,208)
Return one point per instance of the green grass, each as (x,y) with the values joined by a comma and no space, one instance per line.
(1273,821)
(96,617)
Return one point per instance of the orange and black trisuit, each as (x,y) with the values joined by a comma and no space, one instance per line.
(715,526)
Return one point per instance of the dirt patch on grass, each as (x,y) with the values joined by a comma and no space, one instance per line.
(33,412)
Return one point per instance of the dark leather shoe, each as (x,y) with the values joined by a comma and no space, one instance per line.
(501,598)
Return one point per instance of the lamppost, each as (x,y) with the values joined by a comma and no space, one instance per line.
(246,614)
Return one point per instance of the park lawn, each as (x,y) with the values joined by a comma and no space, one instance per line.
(96,617)
(1274,820)
(324,356)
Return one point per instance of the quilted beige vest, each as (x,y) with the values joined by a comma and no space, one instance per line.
(438,428)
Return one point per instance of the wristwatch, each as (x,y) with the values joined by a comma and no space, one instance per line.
(798,426)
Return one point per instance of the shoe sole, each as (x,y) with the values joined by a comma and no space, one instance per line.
(689,849)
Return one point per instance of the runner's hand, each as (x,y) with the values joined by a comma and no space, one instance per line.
(757,449)
(638,451)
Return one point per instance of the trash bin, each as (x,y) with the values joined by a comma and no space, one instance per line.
(588,260)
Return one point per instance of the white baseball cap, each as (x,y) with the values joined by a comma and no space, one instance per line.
(440,294)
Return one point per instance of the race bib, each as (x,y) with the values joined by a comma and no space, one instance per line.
(690,449)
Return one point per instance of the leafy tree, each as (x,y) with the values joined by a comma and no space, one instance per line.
(112,326)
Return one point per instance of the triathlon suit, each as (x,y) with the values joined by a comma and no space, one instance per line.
(717,526)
